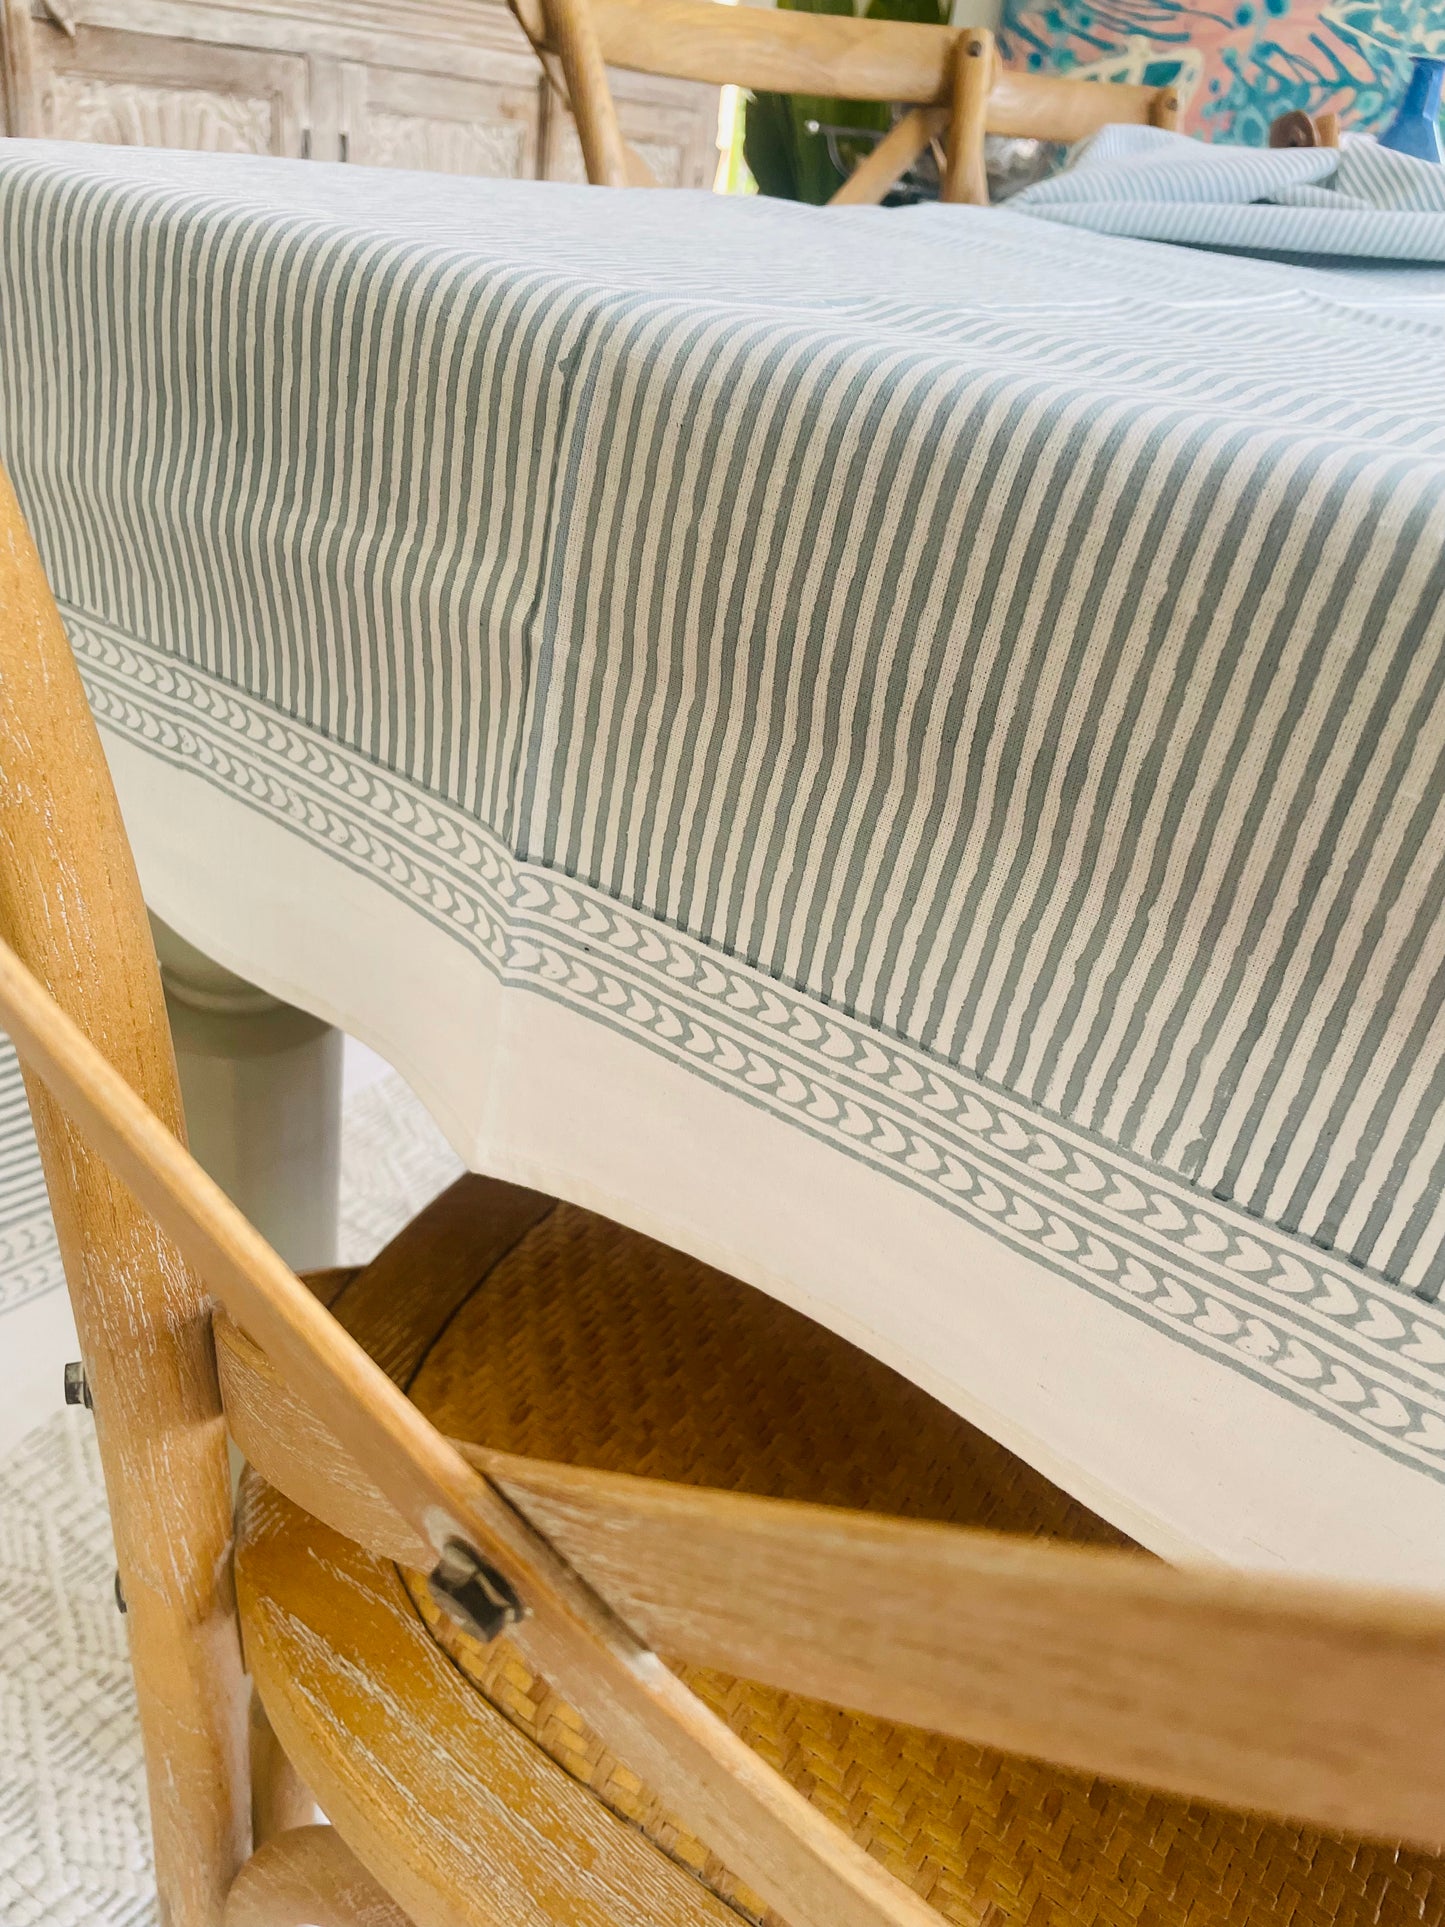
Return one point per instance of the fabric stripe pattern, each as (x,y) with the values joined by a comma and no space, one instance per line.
(1025,645)
(1359,201)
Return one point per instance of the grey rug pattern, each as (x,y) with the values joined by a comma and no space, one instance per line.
(74,1844)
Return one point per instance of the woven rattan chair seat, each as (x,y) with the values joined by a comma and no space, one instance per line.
(594,1345)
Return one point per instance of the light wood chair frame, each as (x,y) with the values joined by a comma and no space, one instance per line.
(950,80)
(1320,1703)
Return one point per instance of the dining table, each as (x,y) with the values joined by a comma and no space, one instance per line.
(899,751)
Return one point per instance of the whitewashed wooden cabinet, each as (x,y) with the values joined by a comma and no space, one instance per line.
(448,85)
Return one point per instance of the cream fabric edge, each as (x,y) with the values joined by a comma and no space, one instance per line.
(1196,1462)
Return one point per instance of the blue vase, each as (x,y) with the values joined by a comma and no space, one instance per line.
(1416,128)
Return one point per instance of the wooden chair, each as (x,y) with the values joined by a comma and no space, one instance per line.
(949,78)
(1299,129)
(456,1645)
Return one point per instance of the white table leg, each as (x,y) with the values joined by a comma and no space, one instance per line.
(262,1088)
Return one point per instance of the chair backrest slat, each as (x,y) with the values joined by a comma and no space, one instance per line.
(1324,1704)
(836,55)
(777,50)
(812,1872)
(1054,108)
(892,157)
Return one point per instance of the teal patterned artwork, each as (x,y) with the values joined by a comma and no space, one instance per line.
(1239,63)
(1411,26)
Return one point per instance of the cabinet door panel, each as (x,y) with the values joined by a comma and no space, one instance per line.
(395,118)
(145,90)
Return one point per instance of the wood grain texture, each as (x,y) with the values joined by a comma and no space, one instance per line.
(840,55)
(788,1852)
(891,158)
(128,113)
(328,1283)
(70,904)
(572,31)
(279,1434)
(965,178)
(17,69)
(452,1809)
(1051,107)
(854,59)
(557,120)
(777,51)
(594,1346)
(281,1801)
(123,87)
(309,1877)
(401,1300)
(1323,1704)
(445,123)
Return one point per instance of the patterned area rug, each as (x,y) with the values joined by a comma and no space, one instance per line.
(74,1845)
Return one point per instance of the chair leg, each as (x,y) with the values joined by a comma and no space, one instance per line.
(309,1877)
(169,1488)
(19,93)
(70,903)
(965,177)
(574,33)
(280,1799)
(163,1452)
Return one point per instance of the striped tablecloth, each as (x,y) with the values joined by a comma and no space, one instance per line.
(901,752)
(1359,200)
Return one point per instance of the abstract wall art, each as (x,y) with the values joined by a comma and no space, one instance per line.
(1239,63)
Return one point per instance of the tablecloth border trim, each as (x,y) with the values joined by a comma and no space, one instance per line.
(1355,1350)
(30,1264)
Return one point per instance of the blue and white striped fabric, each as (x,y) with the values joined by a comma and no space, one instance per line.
(1359,201)
(903,752)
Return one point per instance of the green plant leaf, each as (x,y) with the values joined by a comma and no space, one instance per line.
(769,145)
(927,13)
